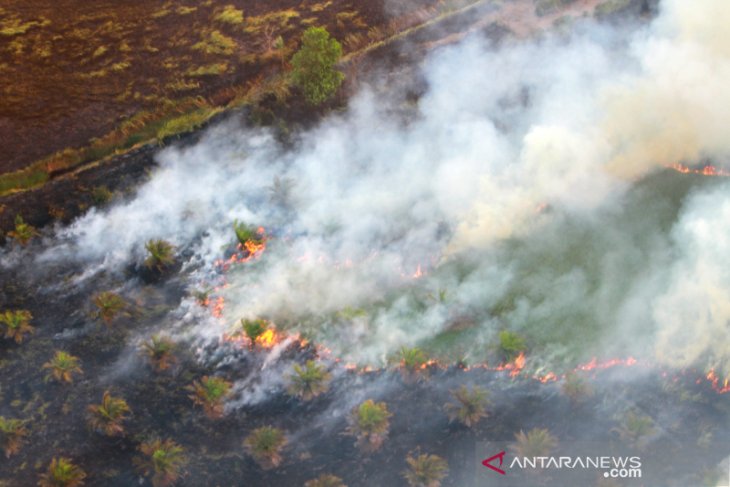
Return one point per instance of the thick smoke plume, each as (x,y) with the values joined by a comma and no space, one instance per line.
(517,195)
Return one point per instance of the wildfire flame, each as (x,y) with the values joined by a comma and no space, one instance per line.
(705,171)
(268,339)
(715,382)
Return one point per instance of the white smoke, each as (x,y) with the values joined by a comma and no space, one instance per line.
(366,199)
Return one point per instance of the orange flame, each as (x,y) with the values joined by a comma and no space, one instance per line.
(267,339)
(715,382)
(705,171)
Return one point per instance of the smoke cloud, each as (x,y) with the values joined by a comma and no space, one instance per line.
(524,192)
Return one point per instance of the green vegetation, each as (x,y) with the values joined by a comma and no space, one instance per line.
(469,406)
(109,305)
(62,473)
(230,15)
(210,393)
(325,480)
(27,178)
(412,359)
(108,416)
(370,423)
(636,429)
(314,66)
(425,470)
(265,445)
(23,232)
(163,461)
(545,7)
(247,233)
(17,324)
(159,351)
(101,195)
(309,381)
(538,442)
(216,43)
(253,328)
(160,254)
(186,123)
(12,435)
(62,367)
(511,344)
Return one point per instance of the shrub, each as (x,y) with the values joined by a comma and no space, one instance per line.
(17,324)
(469,406)
(538,442)
(12,435)
(160,254)
(412,361)
(253,328)
(108,305)
(108,416)
(162,460)
(325,480)
(62,367)
(210,392)
(511,344)
(230,15)
(23,232)
(159,351)
(101,195)
(309,381)
(314,65)
(636,429)
(62,473)
(247,233)
(370,423)
(425,470)
(265,445)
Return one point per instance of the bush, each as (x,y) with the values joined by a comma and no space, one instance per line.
(469,406)
(62,367)
(425,470)
(538,442)
(370,423)
(23,232)
(17,324)
(636,429)
(162,460)
(62,473)
(265,445)
(314,66)
(210,392)
(253,328)
(247,234)
(12,435)
(309,381)
(230,15)
(108,416)
(511,344)
(575,387)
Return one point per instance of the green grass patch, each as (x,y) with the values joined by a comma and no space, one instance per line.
(208,70)
(186,122)
(216,43)
(230,15)
(30,177)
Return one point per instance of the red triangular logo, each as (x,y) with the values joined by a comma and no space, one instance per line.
(487,463)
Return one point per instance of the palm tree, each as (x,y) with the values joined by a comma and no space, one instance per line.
(23,232)
(62,367)
(12,435)
(159,350)
(413,362)
(370,423)
(17,324)
(253,328)
(162,460)
(511,344)
(108,416)
(265,445)
(62,473)
(210,392)
(538,442)
(248,234)
(160,254)
(325,480)
(109,305)
(469,406)
(636,429)
(309,381)
(425,470)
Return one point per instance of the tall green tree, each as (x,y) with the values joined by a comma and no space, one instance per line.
(314,65)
